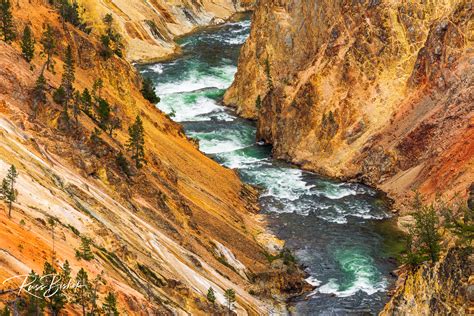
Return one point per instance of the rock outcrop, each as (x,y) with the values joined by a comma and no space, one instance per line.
(380,91)
(442,289)
(149,27)
(153,230)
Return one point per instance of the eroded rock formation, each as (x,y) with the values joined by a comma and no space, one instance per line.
(375,90)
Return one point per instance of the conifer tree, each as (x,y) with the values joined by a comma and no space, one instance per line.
(7,27)
(28,44)
(8,192)
(35,301)
(211,297)
(136,142)
(85,251)
(39,94)
(82,295)
(110,305)
(103,113)
(148,91)
(229,295)
(68,77)
(48,41)
(86,102)
(55,298)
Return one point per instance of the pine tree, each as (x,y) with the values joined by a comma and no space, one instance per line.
(54,297)
(35,301)
(86,102)
(8,192)
(148,91)
(229,295)
(136,142)
(110,305)
(68,78)
(211,297)
(269,74)
(85,251)
(28,44)
(82,296)
(48,41)
(123,163)
(103,113)
(39,94)
(7,27)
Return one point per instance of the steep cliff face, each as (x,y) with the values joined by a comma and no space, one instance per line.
(442,289)
(163,234)
(381,91)
(149,27)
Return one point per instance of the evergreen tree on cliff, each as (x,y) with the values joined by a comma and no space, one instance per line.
(229,295)
(82,296)
(211,296)
(148,91)
(28,44)
(136,142)
(7,27)
(7,191)
(48,41)
(110,305)
(68,78)
(54,296)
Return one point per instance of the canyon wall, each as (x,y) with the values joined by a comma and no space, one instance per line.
(379,91)
(161,235)
(149,27)
(441,289)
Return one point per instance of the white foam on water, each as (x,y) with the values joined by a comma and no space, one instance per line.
(283,183)
(313,281)
(194,80)
(158,68)
(215,142)
(237,160)
(337,191)
(193,111)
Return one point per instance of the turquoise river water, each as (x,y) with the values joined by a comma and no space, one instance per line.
(338,231)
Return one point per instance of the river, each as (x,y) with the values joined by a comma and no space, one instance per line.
(341,232)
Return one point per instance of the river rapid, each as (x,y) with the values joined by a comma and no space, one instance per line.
(341,232)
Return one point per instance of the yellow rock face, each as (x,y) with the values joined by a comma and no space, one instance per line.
(364,89)
(150,26)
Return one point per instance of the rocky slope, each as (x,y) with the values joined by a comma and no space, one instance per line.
(441,289)
(161,236)
(380,91)
(149,27)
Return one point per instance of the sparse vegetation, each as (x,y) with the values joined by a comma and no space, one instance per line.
(258,103)
(28,44)
(7,26)
(110,305)
(148,91)
(48,41)
(7,191)
(211,296)
(85,251)
(111,40)
(229,295)
(136,142)
(268,74)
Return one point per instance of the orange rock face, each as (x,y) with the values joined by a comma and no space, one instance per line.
(380,91)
